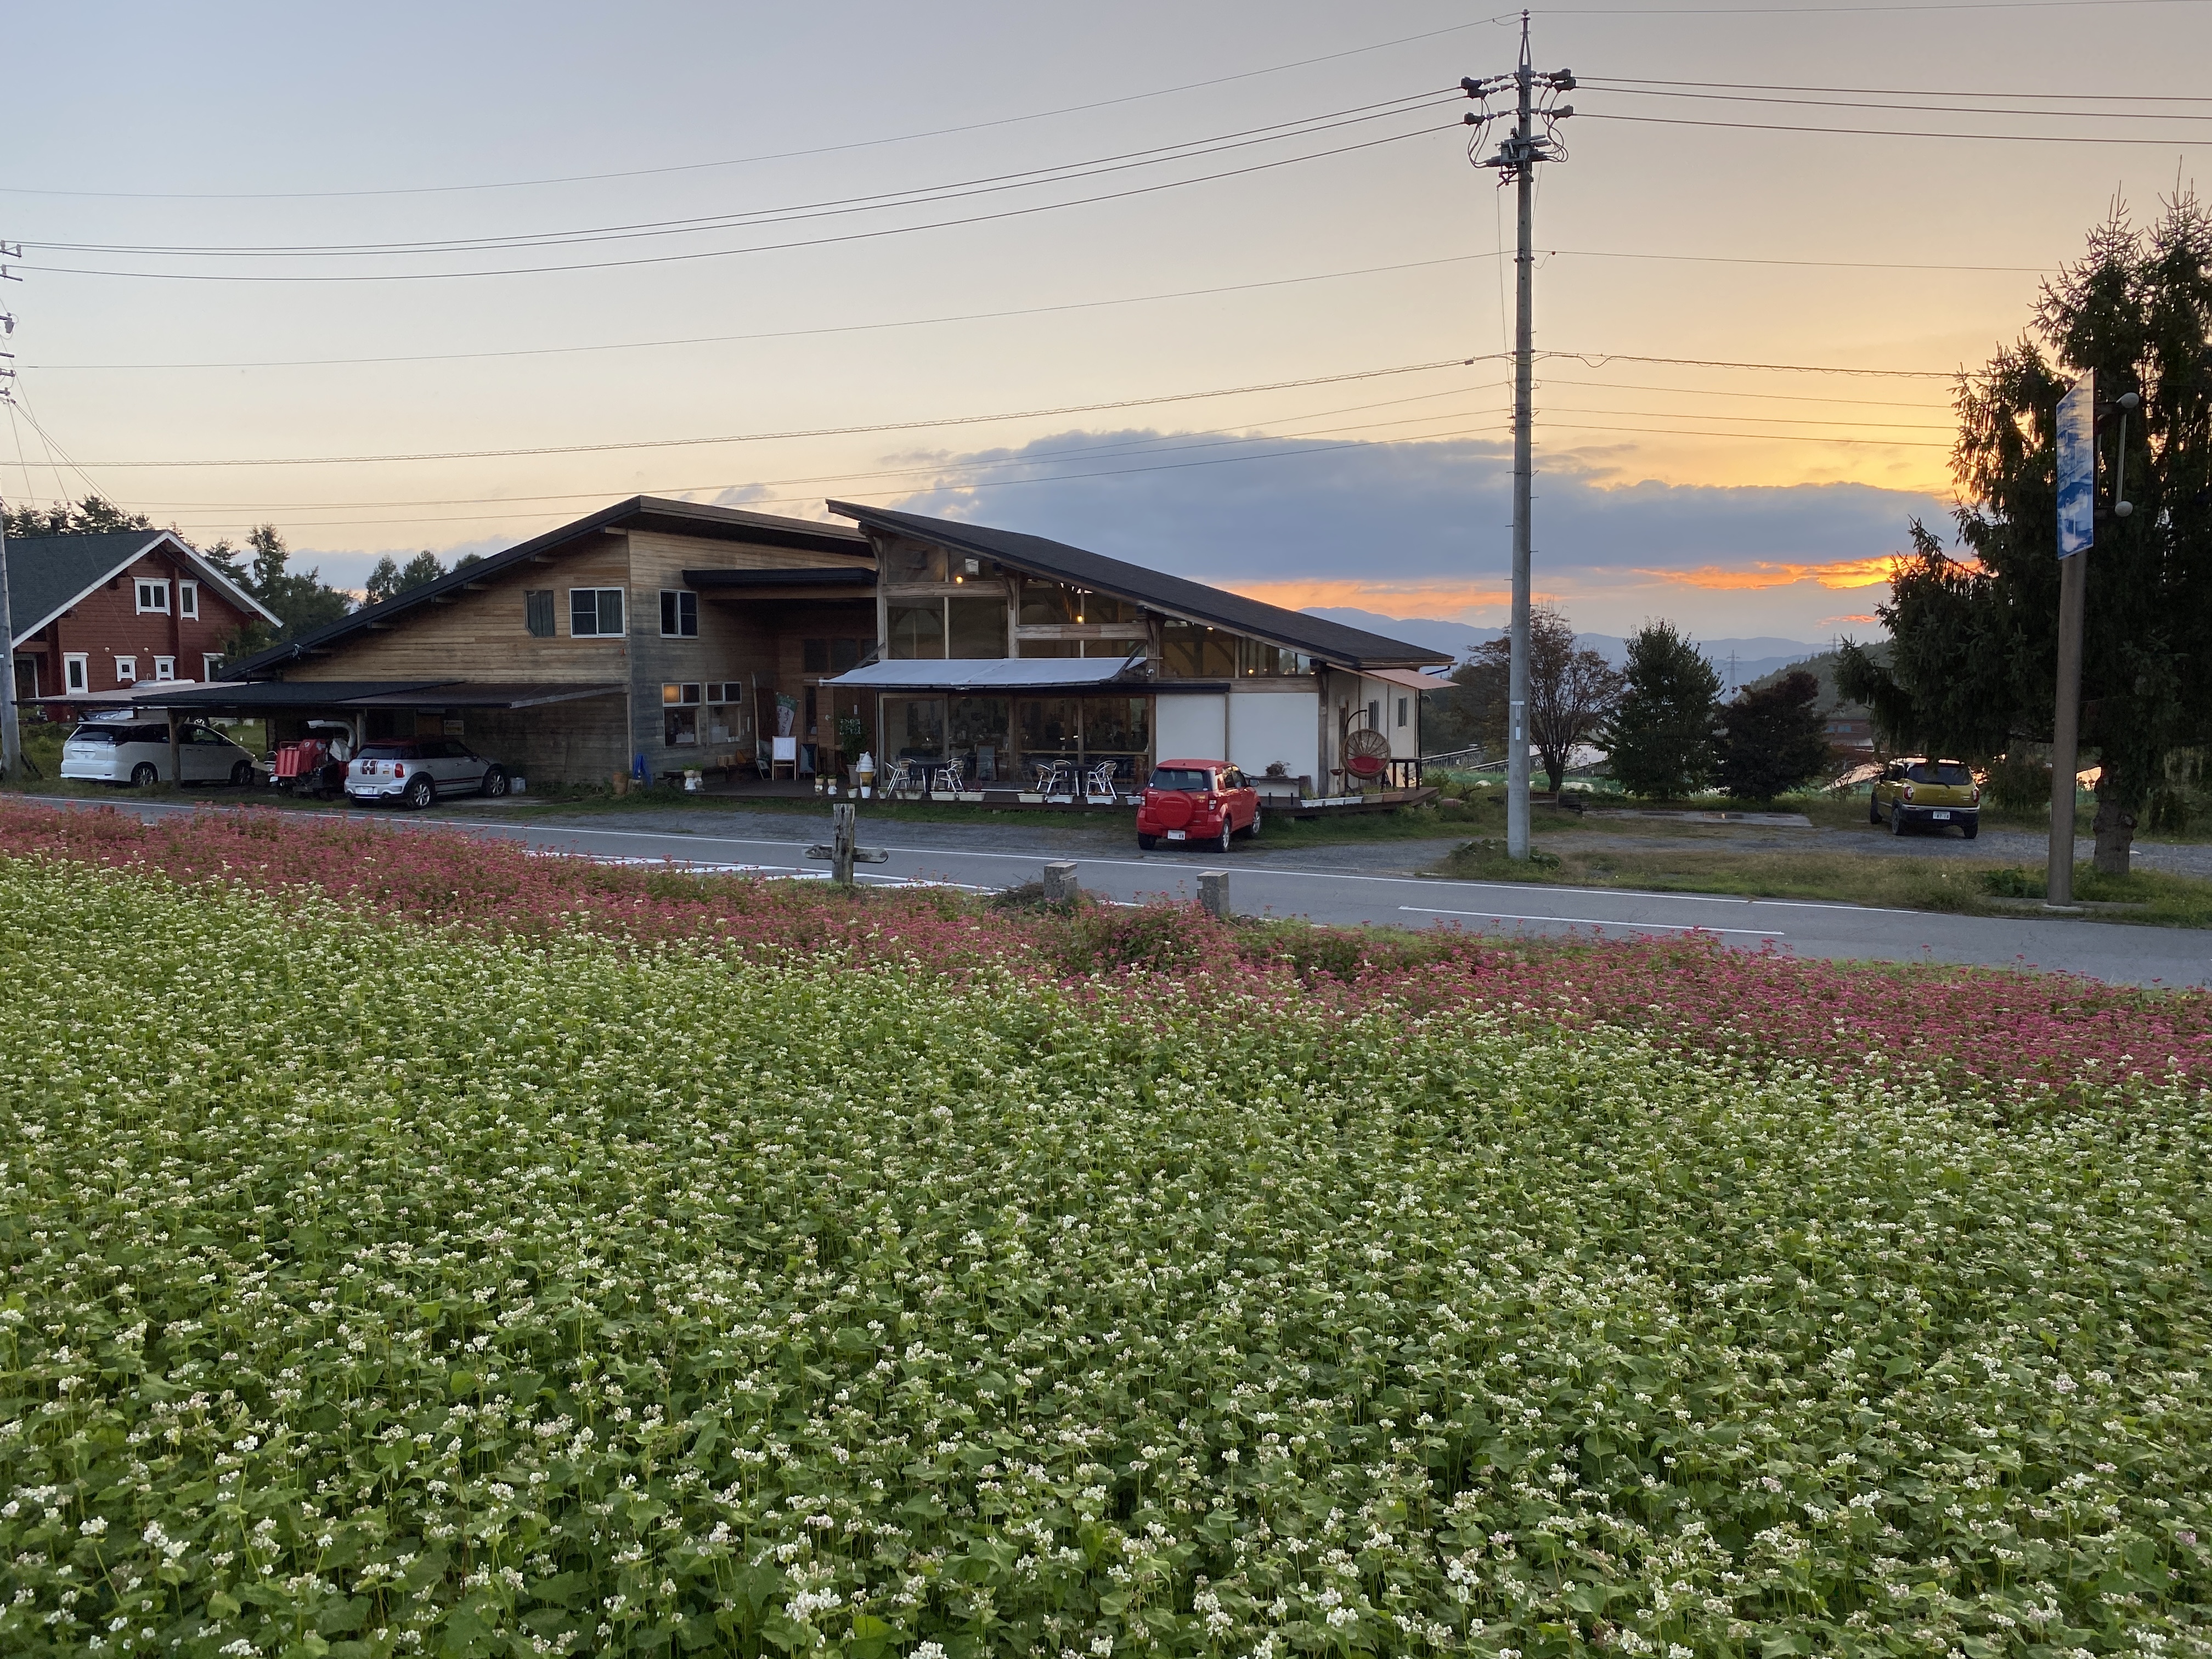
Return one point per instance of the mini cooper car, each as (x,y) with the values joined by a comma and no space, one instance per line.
(415,771)
(1935,793)
(1204,801)
(136,752)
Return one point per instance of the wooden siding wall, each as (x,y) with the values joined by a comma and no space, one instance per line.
(742,637)
(578,742)
(481,633)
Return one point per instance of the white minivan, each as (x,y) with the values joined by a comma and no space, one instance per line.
(136,752)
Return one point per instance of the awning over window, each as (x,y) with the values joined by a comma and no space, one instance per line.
(1412,678)
(989,674)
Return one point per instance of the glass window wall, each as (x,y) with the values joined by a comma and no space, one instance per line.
(1188,652)
(917,631)
(904,564)
(977,628)
(913,729)
(975,735)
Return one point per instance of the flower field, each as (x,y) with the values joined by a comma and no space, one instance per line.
(630,1266)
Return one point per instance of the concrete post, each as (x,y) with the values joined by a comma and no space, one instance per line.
(1214,894)
(1060,886)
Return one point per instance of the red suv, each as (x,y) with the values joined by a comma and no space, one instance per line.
(1203,801)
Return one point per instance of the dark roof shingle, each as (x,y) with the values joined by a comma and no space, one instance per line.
(638,513)
(47,573)
(1316,637)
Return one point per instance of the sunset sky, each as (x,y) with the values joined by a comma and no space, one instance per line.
(1735,500)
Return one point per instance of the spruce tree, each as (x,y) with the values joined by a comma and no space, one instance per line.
(1772,738)
(1660,737)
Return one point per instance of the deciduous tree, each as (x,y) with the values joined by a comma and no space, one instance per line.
(1572,690)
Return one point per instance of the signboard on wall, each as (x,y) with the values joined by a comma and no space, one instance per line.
(2077,467)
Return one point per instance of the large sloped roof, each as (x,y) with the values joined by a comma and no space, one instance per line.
(638,513)
(1316,637)
(47,574)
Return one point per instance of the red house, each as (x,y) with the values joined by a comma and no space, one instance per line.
(97,613)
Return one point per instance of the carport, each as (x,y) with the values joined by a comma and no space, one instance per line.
(501,717)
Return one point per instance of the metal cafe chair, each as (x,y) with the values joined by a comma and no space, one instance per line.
(947,776)
(1099,779)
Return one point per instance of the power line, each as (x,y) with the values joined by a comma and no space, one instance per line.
(1764,396)
(1895,132)
(777,334)
(1600,359)
(1610,83)
(1015,311)
(1288,455)
(920,195)
(1911,109)
(1816,265)
(1024,458)
(810,432)
(765,247)
(1031,456)
(740,160)
(1760,437)
(1811,11)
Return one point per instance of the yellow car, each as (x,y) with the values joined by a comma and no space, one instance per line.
(1933,792)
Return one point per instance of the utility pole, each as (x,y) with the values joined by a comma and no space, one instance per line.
(11,731)
(2077,519)
(1518,152)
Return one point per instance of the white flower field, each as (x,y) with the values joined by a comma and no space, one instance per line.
(379,1290)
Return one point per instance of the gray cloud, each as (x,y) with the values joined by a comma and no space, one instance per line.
(1275,509)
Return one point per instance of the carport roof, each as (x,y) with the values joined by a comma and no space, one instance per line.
(375,694)
(282,694)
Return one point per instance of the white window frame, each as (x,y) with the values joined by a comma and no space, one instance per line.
(210,665)
(126,670)
(679,595)
(597,609)
(165,668)
(158,587)
(188,601)
(77,671)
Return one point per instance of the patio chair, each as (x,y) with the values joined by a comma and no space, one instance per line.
(946,777)
(1099,779)
(904,774)
(1054,777)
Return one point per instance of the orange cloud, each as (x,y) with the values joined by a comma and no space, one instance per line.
(1844,573)
(1371,595)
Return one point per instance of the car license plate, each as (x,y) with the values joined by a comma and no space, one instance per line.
(1178,835)
(1941,817)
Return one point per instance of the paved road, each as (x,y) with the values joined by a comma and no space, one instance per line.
(1313,883)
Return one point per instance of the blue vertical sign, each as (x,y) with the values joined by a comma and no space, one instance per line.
(2077,467)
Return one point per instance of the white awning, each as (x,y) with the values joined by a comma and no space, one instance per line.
(987,674)
(1412,678)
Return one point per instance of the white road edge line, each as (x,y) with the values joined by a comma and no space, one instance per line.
(1593,921)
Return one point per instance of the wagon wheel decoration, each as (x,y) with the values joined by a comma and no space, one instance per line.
(1366,755)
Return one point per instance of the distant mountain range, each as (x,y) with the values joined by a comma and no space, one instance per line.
(1754,658)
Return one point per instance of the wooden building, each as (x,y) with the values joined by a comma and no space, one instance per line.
(659,636)
(105,612)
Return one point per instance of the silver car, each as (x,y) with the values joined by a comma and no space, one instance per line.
(415,771)
(136,752)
